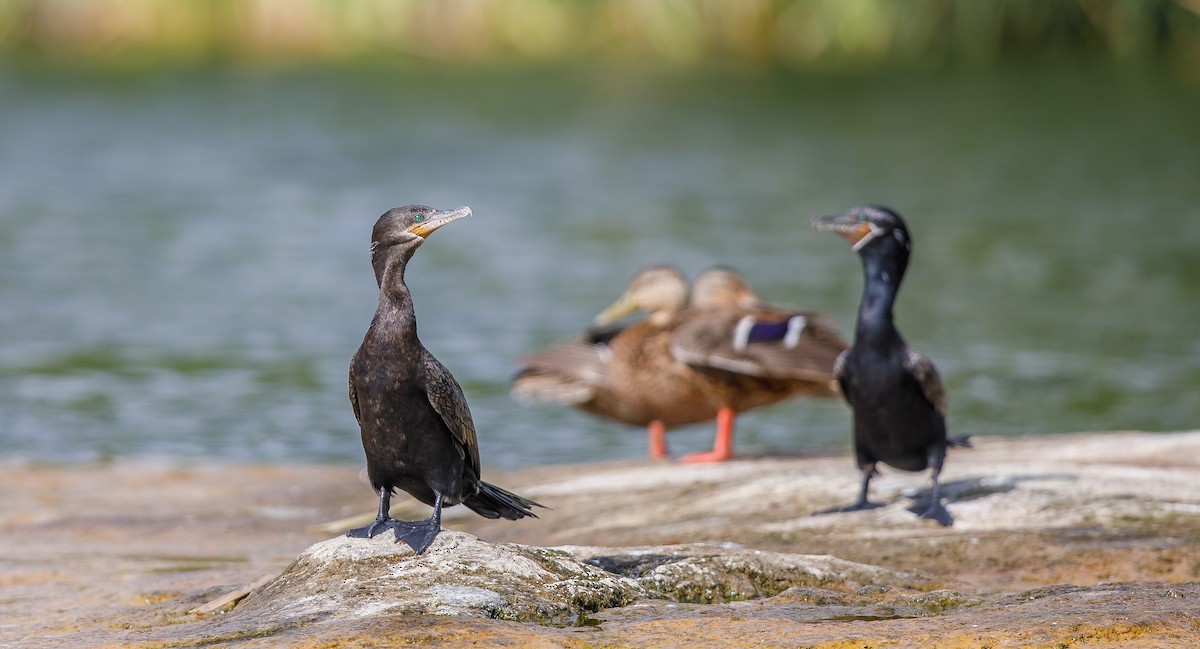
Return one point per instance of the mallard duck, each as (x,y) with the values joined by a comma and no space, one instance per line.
(684,365)
(416,428)
(713,338)
(894,391)
(577,372)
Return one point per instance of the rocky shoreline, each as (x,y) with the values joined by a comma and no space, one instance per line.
(1079,540)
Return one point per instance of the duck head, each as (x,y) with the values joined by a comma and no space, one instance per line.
(657,290)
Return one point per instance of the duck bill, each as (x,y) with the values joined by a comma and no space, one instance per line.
(625,305)
(437,219)
(856,232)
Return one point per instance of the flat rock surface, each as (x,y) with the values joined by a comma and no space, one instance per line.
(1089,540)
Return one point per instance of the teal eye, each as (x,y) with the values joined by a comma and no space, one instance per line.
(862,217)
(418,218)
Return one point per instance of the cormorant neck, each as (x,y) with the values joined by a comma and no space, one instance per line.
(882,271)
(395,301)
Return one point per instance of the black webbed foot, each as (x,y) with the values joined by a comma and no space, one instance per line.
(853,507)
(417,534)
(929,505)
(934,511)
(377,526)
(868,470)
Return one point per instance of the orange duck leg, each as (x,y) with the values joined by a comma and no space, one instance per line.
(722,444)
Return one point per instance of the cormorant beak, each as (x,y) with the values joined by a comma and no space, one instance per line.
(857,232)
(624,306)
(435,220)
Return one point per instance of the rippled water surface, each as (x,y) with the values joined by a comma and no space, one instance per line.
(184,268)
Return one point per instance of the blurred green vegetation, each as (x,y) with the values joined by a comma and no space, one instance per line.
(800,33)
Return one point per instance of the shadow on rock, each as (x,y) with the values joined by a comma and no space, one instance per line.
(965,489)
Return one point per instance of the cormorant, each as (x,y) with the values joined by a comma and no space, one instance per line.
(416,428)
(894,391)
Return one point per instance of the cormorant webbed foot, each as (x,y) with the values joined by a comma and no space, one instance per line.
(868,470)
(377,526)
(934,512)
(383,520)
(418,534)
(929,505)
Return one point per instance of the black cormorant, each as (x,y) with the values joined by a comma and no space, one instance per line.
(894,391)
(416,428)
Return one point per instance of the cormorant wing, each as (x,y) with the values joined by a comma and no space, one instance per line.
(447,399)
(923,370)
(354,401)
(354,391)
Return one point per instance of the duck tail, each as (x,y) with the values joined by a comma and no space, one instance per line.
(495,502)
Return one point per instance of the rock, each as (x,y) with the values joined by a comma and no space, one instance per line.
(703,573)
(1081,540)
(458,575)
(379,593)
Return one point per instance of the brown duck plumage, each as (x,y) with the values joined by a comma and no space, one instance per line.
(682,364)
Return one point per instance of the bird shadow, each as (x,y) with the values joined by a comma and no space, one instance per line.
(973,488)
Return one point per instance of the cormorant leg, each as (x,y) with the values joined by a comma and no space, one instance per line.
(419,534)
(932,507)
(866,485)
(658,440)
(722,443)
(868,470)
(382,521)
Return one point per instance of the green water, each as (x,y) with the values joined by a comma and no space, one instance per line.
(184,268)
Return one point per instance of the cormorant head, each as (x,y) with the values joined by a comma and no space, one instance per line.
(866,227)
(658,290)
(409,226)
(722,286)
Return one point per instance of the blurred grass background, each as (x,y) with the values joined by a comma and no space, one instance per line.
(799,33)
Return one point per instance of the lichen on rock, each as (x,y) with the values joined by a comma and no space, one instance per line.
(709,573)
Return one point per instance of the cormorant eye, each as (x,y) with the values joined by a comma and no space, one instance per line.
(862,216)
(417,218)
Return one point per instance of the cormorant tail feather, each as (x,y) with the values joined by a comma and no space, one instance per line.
(495,502)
